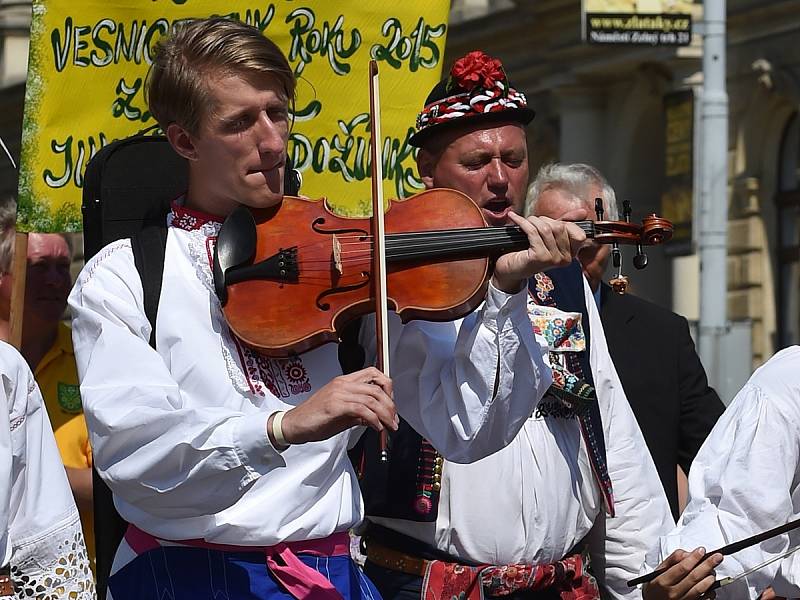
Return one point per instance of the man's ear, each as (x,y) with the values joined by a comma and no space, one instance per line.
(426,164)
(181,141)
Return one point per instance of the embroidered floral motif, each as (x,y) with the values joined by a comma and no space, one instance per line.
(53,566)
(284,377)
(561,330)
(544,285)
(552,406)
(188,219)
(569,579)
(568,576)
(297,375)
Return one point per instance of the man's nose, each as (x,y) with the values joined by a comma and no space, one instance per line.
(270,138)
(498,175)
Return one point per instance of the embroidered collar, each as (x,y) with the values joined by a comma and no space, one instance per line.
(189,219)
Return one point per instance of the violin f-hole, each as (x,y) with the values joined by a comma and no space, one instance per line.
(339,290)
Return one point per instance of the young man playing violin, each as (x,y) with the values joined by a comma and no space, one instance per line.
(577,482)
(230,467)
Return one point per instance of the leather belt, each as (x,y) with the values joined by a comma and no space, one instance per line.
(396,561)
(6,588)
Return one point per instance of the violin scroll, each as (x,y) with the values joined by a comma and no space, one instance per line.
(656,230)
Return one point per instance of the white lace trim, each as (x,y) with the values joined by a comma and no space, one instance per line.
(54,565)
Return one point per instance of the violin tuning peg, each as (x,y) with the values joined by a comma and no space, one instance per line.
(640,260)
(626,210)
(616,256)
(598,208)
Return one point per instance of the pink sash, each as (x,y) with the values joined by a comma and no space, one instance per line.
(300,580)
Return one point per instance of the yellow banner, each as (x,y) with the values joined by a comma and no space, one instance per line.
(89,60)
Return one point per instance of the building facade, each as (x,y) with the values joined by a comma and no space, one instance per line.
(605,105)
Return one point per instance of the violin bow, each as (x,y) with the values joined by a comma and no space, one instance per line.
(729,549)
(378,241)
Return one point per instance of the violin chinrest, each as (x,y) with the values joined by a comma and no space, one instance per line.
(236,246)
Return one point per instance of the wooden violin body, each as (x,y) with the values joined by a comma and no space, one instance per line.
(296,312)
(292,276)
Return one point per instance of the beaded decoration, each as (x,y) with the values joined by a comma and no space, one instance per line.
(429,479)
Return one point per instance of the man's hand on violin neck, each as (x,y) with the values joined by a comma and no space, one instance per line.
(552,244)
(360,398)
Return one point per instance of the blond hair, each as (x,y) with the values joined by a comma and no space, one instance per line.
(177,84)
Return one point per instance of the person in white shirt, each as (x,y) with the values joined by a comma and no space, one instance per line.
(230,467)
(41,542)
(577,482)
(744,480)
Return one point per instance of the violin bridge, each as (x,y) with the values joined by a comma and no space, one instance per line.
(337,255)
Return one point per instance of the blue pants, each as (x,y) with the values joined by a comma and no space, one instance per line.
(182,573)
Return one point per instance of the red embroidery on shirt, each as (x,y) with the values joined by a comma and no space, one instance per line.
(282,377)
(298,376)
(189,219)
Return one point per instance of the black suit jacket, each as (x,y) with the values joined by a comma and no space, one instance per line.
(663,379)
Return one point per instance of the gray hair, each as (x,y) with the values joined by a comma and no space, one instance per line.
(575,179)
(8,229)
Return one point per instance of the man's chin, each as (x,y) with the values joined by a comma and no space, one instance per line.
(263,199)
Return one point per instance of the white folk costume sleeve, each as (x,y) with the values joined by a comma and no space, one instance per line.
(618,544)
(745,480)
(164,455)
(467,386)
(48,557)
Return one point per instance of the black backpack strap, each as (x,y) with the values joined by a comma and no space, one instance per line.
(149,248)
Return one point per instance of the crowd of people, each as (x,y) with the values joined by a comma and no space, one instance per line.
(540,446)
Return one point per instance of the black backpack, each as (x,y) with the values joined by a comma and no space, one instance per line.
(128,188)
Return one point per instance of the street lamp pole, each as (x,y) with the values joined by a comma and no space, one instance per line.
(713,197)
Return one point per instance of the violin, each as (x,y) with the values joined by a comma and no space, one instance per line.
(290,277)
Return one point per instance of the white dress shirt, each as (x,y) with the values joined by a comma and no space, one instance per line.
(745,480)
(40,531)
(536,499)
(179,434)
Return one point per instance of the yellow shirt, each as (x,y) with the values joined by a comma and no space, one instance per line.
(57,377)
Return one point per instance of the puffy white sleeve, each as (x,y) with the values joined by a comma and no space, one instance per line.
(165,455)
(48,555)
(618,544)
(744,480)
(467,386)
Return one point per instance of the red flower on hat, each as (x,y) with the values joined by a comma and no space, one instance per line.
(477,69)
